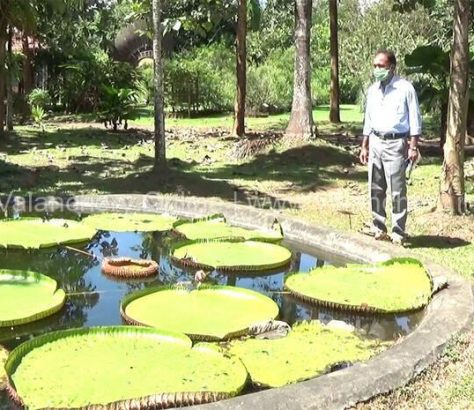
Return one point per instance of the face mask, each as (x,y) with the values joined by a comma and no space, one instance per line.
(381,74)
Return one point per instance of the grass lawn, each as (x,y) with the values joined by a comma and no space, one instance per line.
(349,114)
(320,181)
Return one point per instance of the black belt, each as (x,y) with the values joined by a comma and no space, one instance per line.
(390,135)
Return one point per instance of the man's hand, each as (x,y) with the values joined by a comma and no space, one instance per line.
(413,154)
(364,155)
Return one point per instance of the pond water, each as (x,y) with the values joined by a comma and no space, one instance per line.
(94,300)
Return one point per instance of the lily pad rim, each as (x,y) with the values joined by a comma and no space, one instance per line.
(366,310)
(294,327)
(54,308)
(96,214)
(157,399)
(131,297)
(222,218)
(47,245)
(240,269)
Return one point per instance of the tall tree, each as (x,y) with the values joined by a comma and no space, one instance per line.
(3,41)
(13,13)
(160,143)
(301,120)
(452,189)
(334,113)
(10,79)
(22,15)
(241,57)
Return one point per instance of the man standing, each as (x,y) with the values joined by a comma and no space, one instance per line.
(391,130)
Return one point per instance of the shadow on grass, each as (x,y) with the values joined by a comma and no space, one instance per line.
(31,139)
(301,169)
(309,166)
(436,242)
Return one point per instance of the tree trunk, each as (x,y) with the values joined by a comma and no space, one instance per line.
(301,118)
(28,80)
(10,77)
(334,113)
(241,57)
(27,65)
(443,125)
(452,189)
(160,143)
(3,41)
(470,124)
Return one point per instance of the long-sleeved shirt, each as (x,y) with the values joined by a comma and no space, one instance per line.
(393,110)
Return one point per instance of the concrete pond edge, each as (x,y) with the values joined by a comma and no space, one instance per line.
(450,313)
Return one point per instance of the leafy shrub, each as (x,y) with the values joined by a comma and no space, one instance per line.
(200,80)
(270,84)
(117,106)
(145,84)
(39,98)
(84,75)
(39,115)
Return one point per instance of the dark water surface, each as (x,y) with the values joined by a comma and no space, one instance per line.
(94,300)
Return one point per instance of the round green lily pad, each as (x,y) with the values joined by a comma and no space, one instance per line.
(395,286)
(3,374)
(232,255)
(309,350)
(207,313)
(133,222)
(218,228)
(34,233)
(27,296)
(119,367)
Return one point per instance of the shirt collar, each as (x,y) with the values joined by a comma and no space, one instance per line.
(390,84)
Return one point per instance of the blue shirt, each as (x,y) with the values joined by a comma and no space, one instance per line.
(393,110)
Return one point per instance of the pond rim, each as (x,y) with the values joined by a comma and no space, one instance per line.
(391,369)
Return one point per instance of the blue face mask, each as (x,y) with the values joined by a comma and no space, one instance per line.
(381,74)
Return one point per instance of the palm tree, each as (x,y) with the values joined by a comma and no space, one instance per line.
(301,120)
(452,189)
(160,142)
(334,113)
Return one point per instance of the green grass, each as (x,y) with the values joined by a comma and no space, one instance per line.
(349,114)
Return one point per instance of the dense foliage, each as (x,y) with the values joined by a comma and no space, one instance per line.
(75,63)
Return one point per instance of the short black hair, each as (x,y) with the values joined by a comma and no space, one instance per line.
(392,59)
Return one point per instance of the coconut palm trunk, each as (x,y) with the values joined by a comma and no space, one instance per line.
(301,119)
(334,113)
(452,188)
(160,143)
(241,57)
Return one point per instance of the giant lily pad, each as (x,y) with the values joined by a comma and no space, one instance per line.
(216,227)
(395,286)
(119,367)
(3,374)
(124,222)
(34,233)
(209,312)
(310,350)
(232,255)
(27,296)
